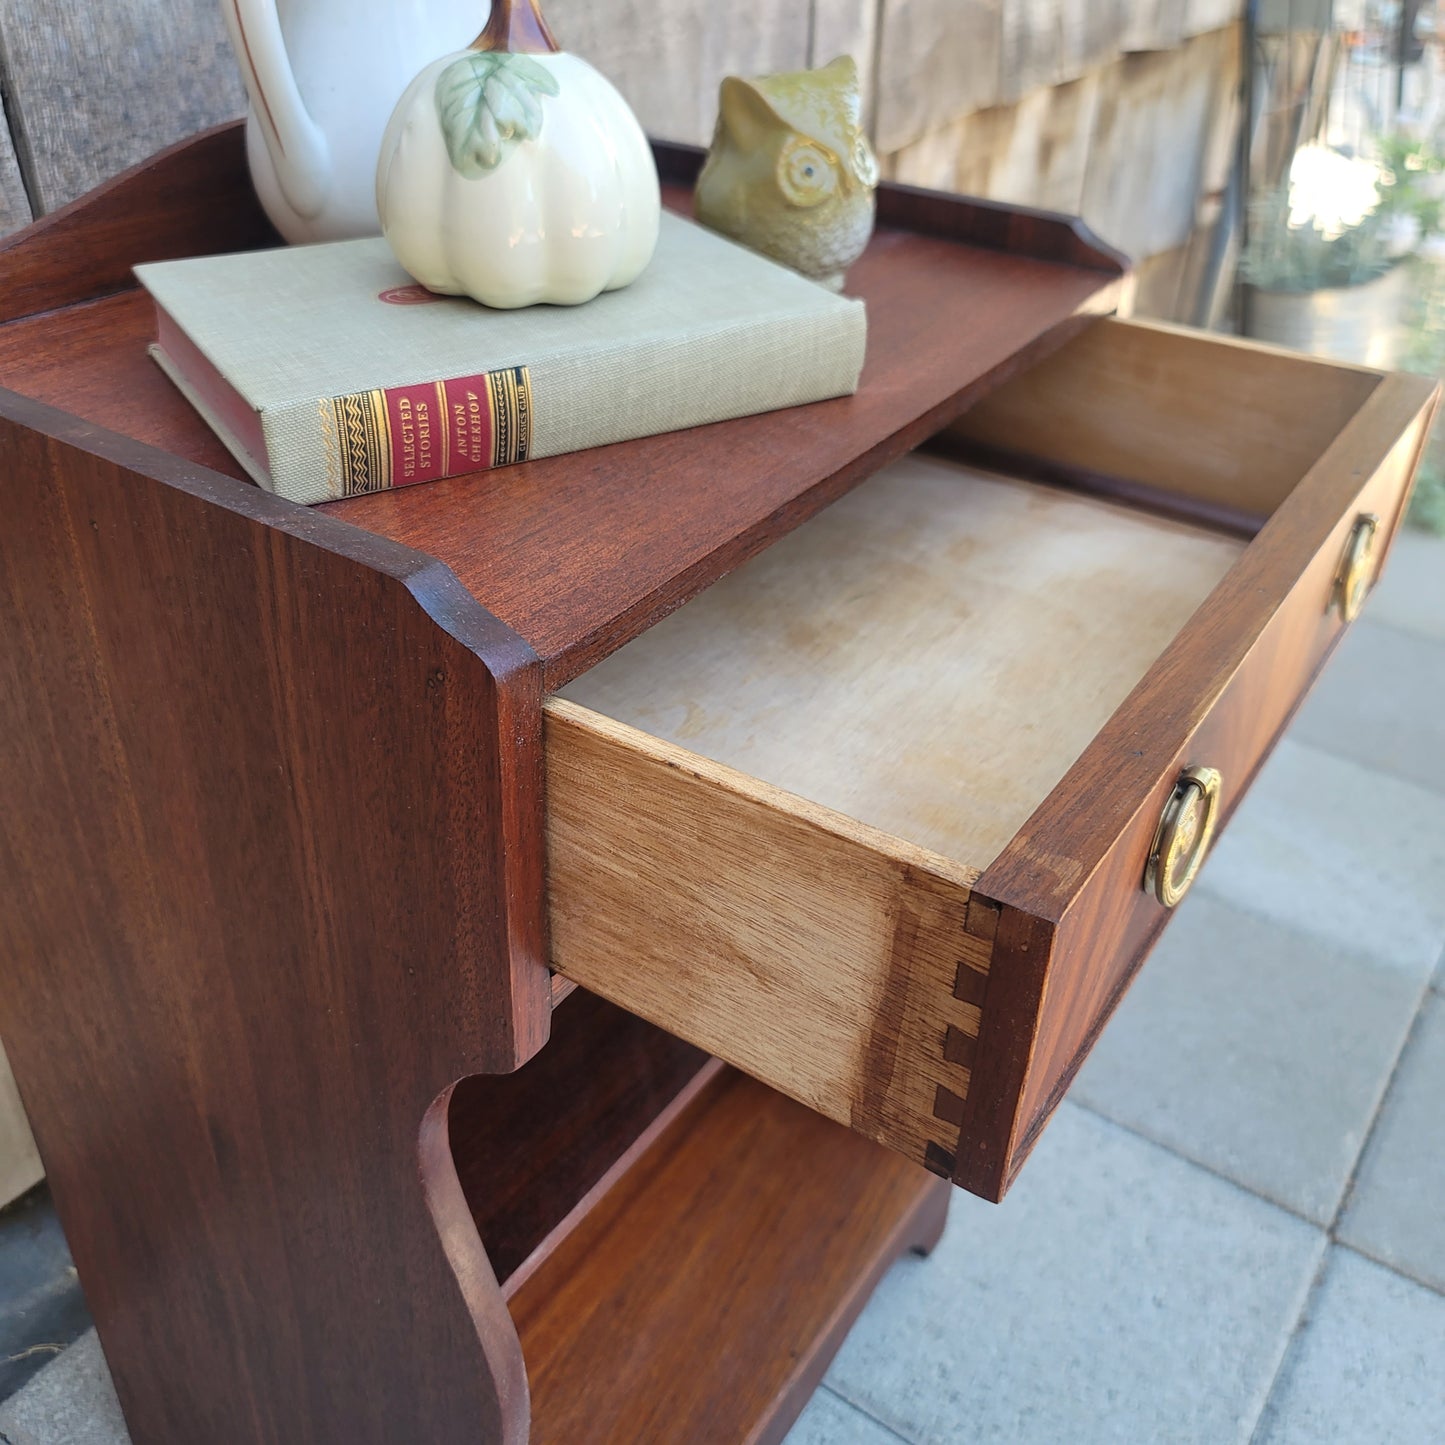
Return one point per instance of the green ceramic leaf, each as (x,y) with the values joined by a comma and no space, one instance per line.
(487,102)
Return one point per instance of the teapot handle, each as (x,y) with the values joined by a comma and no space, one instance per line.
(299,151)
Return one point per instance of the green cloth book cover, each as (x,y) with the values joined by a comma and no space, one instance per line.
(328,374)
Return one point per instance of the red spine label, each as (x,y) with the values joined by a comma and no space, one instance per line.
(408,434)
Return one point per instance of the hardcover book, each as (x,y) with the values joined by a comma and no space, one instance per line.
(328,374)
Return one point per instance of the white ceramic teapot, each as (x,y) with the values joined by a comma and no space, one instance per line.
(323,77)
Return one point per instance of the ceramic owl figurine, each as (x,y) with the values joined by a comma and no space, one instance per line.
(790,172)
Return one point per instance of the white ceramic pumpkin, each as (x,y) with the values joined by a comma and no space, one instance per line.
(513,174)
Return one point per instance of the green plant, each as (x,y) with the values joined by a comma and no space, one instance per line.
(1424,323)
(1406,169)
(1307,257)
(1427,506)
(1300,240)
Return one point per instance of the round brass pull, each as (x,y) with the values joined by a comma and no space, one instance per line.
(1357,567)
(1182,839)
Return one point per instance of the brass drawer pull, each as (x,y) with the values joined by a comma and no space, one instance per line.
(1182,840)
(1357,567)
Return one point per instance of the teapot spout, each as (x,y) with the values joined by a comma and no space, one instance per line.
(298,149)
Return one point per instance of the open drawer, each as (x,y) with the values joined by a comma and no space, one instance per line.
(890,816)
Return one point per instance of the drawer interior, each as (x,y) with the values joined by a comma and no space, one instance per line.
(869,817)
(1169,418)
(767,814)
(928,657)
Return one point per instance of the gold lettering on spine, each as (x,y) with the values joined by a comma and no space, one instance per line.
(357,438)
(509,397)
(524,414)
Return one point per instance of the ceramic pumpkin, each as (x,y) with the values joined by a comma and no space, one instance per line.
(514,173)
(790,172)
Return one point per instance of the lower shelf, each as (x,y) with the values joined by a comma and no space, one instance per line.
(704,1294)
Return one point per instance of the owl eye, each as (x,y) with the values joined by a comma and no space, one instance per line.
(865,163)
(807,174)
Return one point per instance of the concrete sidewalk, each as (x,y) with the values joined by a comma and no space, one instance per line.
(1234,1230)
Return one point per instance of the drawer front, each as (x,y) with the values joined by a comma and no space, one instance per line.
(1065,904)
(942,1005)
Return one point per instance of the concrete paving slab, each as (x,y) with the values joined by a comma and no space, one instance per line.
(831,1420)
(1367,1367)
(1396,1211)
(1256,1050)
(1381,702)
(1119,1293)
(1342,852)
(1411,594)
(41,1306)
(70,1402)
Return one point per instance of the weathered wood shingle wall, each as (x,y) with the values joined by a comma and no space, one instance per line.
(91,88)
(1109,107)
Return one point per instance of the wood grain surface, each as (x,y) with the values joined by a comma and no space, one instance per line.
(1051,42)
(937,59)
(1074,924)
(92,89)
(817,954)
(530,1147)
(625,532)
(270,882)
(580,553)
(1171,411)
(671,78)
(191,200)
(929,656)
(703,1298)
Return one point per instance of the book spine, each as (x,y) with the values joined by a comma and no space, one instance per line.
(370,441)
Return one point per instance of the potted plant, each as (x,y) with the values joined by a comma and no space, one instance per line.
(1323,264)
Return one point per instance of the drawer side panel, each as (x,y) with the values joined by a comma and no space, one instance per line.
(825,958)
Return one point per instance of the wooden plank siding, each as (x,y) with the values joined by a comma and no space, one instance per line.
(90,90)
(14,203)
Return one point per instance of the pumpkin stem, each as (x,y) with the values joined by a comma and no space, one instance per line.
(516,27)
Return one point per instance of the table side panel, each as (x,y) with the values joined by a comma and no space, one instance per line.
(269,884)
